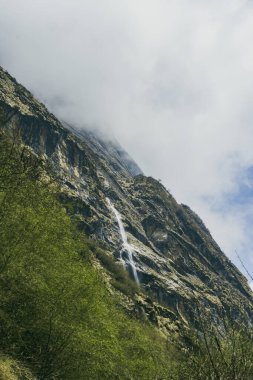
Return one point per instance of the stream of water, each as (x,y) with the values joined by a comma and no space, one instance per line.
(126,247)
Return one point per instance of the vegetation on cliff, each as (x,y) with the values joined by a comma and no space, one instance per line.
(58,319)
(56,314)
(177,261)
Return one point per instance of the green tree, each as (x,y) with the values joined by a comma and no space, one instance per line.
(57,316)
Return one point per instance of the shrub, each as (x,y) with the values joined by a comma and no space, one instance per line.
(120,277)
(11,369)
(56,315)
(222,352)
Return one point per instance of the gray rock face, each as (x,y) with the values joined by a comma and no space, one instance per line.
(176,258)
(108,150)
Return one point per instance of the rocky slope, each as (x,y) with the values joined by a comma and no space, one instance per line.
(176,258)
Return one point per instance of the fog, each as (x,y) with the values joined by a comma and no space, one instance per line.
(171,79)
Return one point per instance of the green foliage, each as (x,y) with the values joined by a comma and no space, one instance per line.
(223,352)
(13,370)
(120,277)
(56,315)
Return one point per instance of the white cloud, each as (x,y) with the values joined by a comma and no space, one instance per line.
(172,79)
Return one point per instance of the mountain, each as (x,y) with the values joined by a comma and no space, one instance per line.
(163,245)
(109,151)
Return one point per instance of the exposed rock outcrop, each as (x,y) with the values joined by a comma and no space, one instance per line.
(177,260)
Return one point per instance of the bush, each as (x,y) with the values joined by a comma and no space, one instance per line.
(56,315)
(13,370)
(222,352)
(120,277)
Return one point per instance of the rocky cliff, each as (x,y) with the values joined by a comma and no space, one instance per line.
(176,259)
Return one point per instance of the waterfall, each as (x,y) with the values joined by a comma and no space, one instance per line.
(125,245)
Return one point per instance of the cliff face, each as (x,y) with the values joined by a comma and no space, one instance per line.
(174,254)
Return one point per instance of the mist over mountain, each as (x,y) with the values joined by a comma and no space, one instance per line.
(172,81)
(163,245)
(103,274)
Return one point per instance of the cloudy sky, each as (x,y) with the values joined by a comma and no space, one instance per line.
(171,79)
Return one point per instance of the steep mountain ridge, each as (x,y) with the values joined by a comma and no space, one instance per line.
(177,260)
(108,150)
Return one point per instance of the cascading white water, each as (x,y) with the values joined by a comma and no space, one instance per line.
(125,245)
